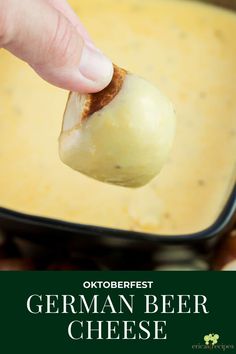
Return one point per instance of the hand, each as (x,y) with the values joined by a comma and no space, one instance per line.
(49,36)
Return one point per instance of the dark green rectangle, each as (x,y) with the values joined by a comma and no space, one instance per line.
(29,333)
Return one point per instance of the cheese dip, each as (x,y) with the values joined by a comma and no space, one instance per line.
(188,50)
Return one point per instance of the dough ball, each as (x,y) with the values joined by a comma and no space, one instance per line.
(121,135)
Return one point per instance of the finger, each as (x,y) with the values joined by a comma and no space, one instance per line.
(66,10)
(53,47)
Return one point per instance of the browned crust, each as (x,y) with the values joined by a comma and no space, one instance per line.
(96,101)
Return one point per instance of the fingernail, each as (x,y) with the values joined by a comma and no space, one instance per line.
(95,66)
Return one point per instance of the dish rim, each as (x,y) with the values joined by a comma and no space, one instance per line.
(221,223)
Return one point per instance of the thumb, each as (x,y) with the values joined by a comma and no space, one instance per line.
(39,34)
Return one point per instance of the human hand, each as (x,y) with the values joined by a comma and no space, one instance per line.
(49,36)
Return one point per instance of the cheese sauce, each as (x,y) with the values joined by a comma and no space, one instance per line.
(189,51)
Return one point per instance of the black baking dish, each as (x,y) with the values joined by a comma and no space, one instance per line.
(53,232)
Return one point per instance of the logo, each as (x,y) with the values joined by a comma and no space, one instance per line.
(212,341)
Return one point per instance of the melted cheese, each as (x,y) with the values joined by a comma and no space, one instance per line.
(188,50)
